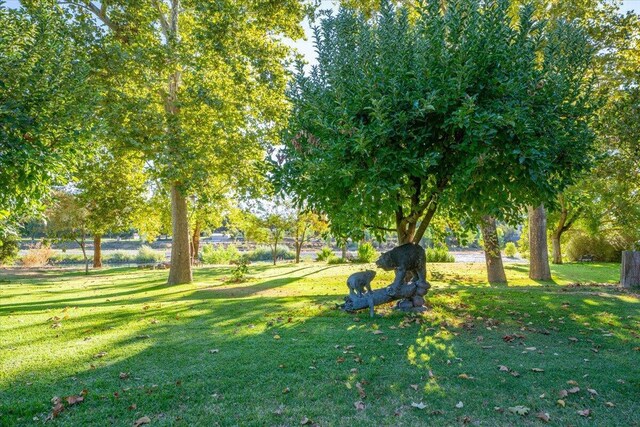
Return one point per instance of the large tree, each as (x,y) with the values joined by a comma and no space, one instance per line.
(44,105)
(454,105)
(196,86)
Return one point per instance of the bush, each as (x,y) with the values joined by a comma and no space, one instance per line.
(119,258)
(510,250)
(238,273)
(596,246)
(439,254)
(337,260)
(9,246)
(148,255)
(325,254)
(366,253)
(219,254)
(263,253)
(37,256)
(62,258)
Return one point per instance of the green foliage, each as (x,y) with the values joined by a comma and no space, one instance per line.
(455,106)
(148,255)
(367,253)
(45,103)
(62,258)
(334,260)
(598,247)
(324,254)
(510,249)
(211,254)
(439,254)
(119,258)
(242,268)
(9,247)
(265,253)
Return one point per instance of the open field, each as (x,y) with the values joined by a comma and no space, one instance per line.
(274,351)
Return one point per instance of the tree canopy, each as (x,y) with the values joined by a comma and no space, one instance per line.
(454,106)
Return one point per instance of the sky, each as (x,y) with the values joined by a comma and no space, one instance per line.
(306,46)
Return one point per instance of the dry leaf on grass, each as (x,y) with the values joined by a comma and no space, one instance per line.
(414,386)
(123,375)
(305,421)
(563,393)
(72,400)
(573,390)
(141,421)
(378,332)
(359,405)
(585,413)
(544,416)
(361,390)
(561,402)
(520,410)
(460,405)
(503,368)
(418,405)
(537,369)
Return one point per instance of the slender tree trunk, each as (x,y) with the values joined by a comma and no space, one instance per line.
(195,243)
(538,249)
(97,251)
(180,271)
(344,250)
(298,250)
(84,254)
(275,250)
(493,258)
(557,249)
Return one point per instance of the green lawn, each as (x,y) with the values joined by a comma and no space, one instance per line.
(274,351)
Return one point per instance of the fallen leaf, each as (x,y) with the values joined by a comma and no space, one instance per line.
(431,374)
(574,390)
(563,394)
(544,416)
(530,348)
(537,369)
(418,405)
(414,386)
(378,332)
(361,390)
(560,402)
(141,421)
(573,339)
(124,375)
(133,407)
(72,400)
(214,351)
(585,412)
(286,390)
(515,373)
(572,382)
(460,405)
(465,377)
(305,421)
(503,368)
(340,359)
(276,337)
(101,354)
(610,404)
(592,391)
(520,410)
(359,405)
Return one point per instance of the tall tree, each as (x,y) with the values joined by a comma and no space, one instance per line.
(305,226)
(68,220)
(538,248)
(197,87)
(493,258)
(45,103)
(456,105)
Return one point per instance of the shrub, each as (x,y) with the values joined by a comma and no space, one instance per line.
(439,254)
(510,249)
(9,246)
(37,256)
(62,258)
(337,260)
(119,258)
(238,274)
(366,253)
(264,253)
(219,254)
(148,255)
(325,254)
(598,247)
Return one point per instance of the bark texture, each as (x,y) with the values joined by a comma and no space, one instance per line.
(180,271)
(538,249)
(630,269)
(97,251)
(492,256)
(195,243)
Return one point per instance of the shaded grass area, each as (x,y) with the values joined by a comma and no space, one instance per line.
(274,350)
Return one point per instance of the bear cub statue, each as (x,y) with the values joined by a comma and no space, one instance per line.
(357,282)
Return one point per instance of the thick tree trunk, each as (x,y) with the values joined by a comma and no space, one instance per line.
(298,250)
(344,250)
(180,271)
(538,249)
(493,258)
(557,249)
(97,251)
(630,269)
(195,243)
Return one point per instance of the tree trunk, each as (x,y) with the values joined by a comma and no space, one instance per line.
(538,249)
(275,251)
(557,249)
(97,251)
(298,250)
(493,258)
(180,271)
(84,254)
(630,269)
(344,250)
(195,243)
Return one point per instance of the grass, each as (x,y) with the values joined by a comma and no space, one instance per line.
(284,353)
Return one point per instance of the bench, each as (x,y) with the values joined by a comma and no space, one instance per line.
(586,258)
